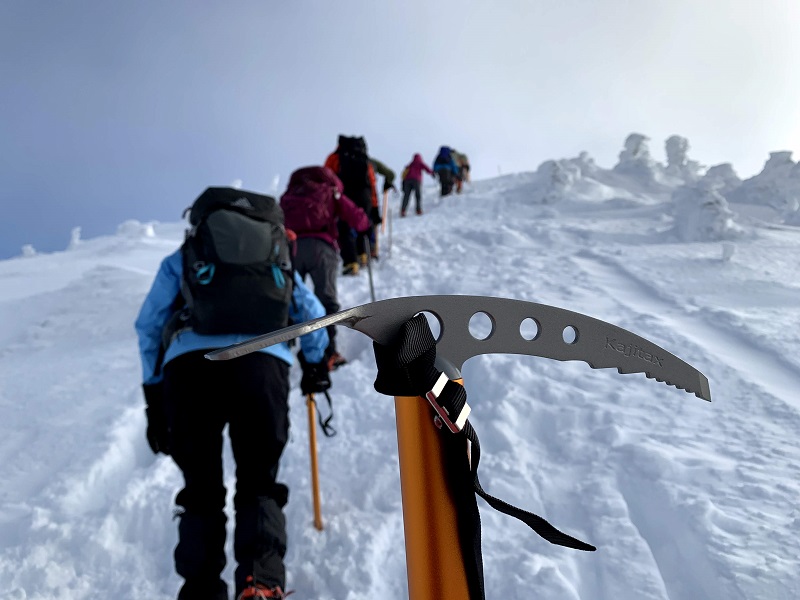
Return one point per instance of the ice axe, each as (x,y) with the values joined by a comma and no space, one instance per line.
(329,431)
(369,269)
(389,246)
(435,560)
(384,210)
(312,443)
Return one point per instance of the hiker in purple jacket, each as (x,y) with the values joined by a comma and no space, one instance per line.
(412,182)
(312,205)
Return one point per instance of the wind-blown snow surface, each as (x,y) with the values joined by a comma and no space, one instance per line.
(685,499)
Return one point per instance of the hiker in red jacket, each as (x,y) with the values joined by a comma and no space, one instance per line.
(412,182)
(313,204)
(351,164)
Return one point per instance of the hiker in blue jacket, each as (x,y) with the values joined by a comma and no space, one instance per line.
(190,400)
(446,169)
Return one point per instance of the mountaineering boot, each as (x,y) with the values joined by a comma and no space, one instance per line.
(362,258)
(350,269)
(419,211)
(257,590)
(402,213)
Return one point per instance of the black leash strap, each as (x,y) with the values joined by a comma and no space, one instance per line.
(406,368)
(325,424)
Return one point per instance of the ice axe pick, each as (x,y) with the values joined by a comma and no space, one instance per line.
(599,344)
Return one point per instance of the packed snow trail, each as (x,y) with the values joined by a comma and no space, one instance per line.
(727,344)
(683,498)
(760,372)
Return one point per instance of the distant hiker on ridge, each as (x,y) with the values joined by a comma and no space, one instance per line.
(412,182)
(462,162)
(445,168)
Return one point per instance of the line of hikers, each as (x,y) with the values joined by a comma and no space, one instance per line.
(351,163)
(452,168)
(240,272)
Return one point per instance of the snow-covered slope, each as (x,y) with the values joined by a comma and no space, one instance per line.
(685,500)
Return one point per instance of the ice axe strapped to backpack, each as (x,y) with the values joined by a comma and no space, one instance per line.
(438,475)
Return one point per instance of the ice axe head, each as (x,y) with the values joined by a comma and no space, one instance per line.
(558,334)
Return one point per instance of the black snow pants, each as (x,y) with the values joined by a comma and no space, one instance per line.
(347,243)
(446,179)
(317,258)
(250,394)
(352,243)
(409,186)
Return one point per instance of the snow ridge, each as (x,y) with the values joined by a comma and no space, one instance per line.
(684,499)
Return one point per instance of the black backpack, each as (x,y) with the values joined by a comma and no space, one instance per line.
(237,272)
(354,170)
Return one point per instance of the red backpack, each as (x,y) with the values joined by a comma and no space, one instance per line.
(309,201)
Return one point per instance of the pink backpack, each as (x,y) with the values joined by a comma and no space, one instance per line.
(309,201)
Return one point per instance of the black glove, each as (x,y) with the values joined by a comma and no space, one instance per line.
(315,376)
(386,188)
(157,429)
(375,215)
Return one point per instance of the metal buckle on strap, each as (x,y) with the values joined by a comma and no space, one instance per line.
(433,397)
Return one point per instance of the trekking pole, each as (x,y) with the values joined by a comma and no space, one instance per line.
(389,247)
(312,443)
(369,268)
(385,209)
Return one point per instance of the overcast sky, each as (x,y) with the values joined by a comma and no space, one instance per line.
(119,110)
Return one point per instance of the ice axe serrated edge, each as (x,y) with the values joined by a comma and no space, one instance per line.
(599,344)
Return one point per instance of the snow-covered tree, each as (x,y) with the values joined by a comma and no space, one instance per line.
(636,150)
(776,186)
(779,162)
(701,214)
(135,229)
(75,238)
(635,159)
(791,215)
(557,177)
(677,148)
(723,177)
(586,164)
(678,163)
